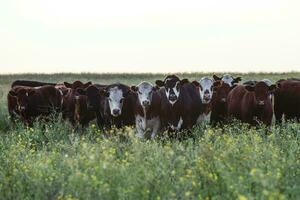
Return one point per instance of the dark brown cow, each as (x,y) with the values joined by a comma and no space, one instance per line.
(35,102)
(251,104)
(287,100)
(30,83)
(69,103)
(180,103)
(219,102)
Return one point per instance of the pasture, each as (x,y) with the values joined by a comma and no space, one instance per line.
(51,161)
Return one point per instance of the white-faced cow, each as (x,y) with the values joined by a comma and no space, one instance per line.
(205,87)
(180,103)
(118,108)
(146,109)
(227,78)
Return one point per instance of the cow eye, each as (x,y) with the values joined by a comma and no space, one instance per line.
(121,100)
(140,92)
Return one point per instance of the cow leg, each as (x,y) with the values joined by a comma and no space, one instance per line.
(156,127)
(278,114)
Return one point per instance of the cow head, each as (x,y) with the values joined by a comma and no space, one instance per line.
(172,86)
(221,91)
(77,84)
(144,91)
(116,94)
(262,92)
(205,86)
(23,98)
(93,97)
(230,80)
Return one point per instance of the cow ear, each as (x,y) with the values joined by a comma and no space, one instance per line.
(68,85)
(159,83)
(12,93)
(250,88)
(81,91)
(87,84)
(217,83)
(184,81)
(237,79)
(216,78)
(272,87)
(196,83)
(104,93)
(134,88)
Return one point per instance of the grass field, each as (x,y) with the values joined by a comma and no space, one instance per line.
(54,162)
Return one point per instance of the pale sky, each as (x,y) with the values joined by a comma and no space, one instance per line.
(149,35)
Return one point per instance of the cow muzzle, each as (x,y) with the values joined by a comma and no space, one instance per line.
(146,103)
(116,112)
(172,97)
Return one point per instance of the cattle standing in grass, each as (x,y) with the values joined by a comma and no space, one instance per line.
(230,80)
(118,105)
(180,103)
(147,109)
(287,100)
(69,108)
(205,87)
(94,101)
(219,102)
(37,102)
(251,104)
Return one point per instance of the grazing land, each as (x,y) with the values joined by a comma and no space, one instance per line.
(51,161)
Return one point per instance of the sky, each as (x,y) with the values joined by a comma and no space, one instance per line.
(155,36)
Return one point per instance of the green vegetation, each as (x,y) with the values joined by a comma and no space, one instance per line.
(236,162)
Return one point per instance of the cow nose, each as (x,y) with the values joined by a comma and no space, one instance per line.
(172,97)
(116,112)
(206,97)
(146,103)
(261,103)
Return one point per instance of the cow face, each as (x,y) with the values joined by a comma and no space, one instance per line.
(205,86)
(93,97)
(145,92)
(221,91)
(23,97)
(172,86)
(230,80)
(262,92)
(116,97)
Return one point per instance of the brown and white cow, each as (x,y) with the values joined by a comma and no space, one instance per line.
(180,103)
(227,78)
(205,87)
(147,109)
(287,100)
(251,104)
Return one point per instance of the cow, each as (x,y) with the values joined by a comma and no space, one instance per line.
(94,101)
(205,87)
(219,102)
(251,104)
(36,102)
(118,105)
(146,109)
(70,107)
(30,83)
(287,100)
(230,80)
(180,103)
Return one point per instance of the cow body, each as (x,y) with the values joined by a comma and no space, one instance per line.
(180,103)
(28,83)
(251,104)
(147,109)
(287,100)
(36,102)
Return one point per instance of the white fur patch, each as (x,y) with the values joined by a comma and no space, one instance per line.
(178,127)
(143,125)
(203,118)
(176,92)
(115,99)
(206,89)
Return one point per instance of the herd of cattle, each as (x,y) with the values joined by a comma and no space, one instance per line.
(171,104)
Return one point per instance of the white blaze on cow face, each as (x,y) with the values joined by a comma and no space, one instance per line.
(206,89)
(145,92)
(115,100)
(173,93)
(227,79)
